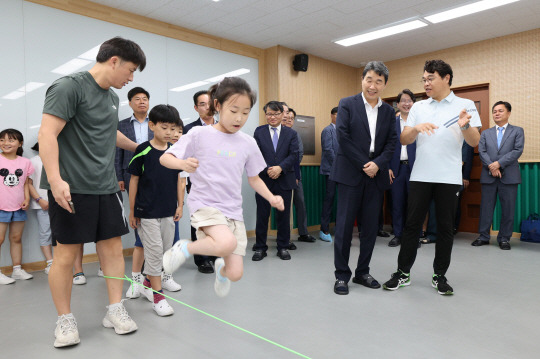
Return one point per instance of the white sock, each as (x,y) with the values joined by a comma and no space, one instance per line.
(114,306)
(134,274)
(16,267)
(49,261)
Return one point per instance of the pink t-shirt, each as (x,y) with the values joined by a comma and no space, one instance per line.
(217,182)
(13,175)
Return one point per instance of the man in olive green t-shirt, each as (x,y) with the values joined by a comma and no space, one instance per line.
(77,142)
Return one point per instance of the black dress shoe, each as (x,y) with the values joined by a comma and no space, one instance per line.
(505,246)
(394,242)
(283,254)
(258,256)
(292,246)
(341,288)
(478,242)
(206,268)
(423,234)
(367,281)
(307,238)
(383,234)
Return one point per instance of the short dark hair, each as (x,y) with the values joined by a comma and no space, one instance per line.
(379,67)
(293,111)
(274,106)
(333,111)
(506,104)
(227,88)
(283,103)
(125,49)
(137,90)
(35,147)
(197,94)
(12,133)
(165,114)
(441,67)
(406,92)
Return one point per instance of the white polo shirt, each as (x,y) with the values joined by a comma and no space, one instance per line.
(438,157)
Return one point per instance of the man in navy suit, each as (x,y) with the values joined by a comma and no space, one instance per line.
(201,102)
(499,149)
(400,168)
(329,148)
(366,136)
(136,129)
(279,147)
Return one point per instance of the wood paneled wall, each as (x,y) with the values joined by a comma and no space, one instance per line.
(511,66)
(312,93)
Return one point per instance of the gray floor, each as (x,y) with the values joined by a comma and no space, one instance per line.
(494,313)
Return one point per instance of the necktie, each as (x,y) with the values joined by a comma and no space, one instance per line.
(499,136)
(275,138)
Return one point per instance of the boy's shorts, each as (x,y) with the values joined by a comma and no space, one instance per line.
(96,217)
(208,216)
(44,226)
(13,216)
(157,236)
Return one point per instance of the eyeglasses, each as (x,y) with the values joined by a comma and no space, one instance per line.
(428,80)
(273,114)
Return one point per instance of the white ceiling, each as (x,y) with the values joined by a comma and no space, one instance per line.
(311,25)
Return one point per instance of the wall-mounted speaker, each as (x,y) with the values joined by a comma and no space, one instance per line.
(300,62)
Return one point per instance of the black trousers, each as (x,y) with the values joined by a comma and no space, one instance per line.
(328,203)
(283,219)
(420,194)
(363,201)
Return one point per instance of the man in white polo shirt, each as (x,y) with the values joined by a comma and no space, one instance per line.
(439,125)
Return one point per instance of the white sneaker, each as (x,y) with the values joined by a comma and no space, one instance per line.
(168,283)
(66,332)
(163,308)
(119,319)
(4,279)
(79,279)
(174,257)
(21,274)
(134,290)
(221,288)
(100,272)
(48,268)
(148,293)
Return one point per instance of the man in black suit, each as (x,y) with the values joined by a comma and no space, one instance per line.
(201,102)
(500,148)
(366,136)
(279,147)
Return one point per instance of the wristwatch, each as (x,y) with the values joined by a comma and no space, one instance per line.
(465,127)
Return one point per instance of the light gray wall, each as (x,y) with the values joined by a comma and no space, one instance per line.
(37,39)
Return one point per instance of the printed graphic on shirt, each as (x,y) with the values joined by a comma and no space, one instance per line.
(11,179)
(456,118)
(224,153)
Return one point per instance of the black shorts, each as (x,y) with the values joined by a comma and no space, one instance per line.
(96,217)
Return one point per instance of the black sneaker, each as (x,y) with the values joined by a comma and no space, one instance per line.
(398,279)
(441,283)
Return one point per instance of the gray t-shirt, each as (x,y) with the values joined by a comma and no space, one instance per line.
(87,143)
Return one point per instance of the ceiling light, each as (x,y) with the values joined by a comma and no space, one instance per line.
(466,10)
(392,30)
(228,74)
(189,86)
(71,66)
(90,54)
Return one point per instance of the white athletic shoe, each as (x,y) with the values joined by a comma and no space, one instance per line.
(119,319)
(100,272)
(21,274)
(79,279)
(66,332)
(163,308)
(168,283)
(221,288)
(48,268)
(134,290)
(174,257)
(148,293)
(4,279)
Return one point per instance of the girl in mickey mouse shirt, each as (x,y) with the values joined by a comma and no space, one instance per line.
(14,198)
